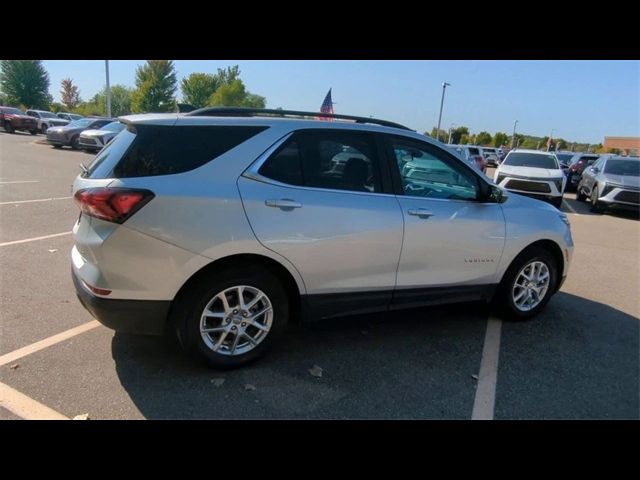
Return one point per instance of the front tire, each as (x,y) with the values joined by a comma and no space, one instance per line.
(527,285)
(580,196)
(9,128)
(75,143)
(43,129)
(233,317)
(34,131)
(596,206)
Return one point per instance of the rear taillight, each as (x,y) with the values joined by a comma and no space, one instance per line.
(112,204)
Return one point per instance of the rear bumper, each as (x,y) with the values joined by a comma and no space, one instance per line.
(147,317)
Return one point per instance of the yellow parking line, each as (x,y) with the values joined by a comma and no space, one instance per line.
(26,407)
(47,342)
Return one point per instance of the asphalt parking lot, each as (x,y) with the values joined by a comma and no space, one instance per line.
(578,360)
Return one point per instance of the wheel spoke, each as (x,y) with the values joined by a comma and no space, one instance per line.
(520,295)
(258,325)
(250,338)
(211,313)
(213,329)
(223,298)
(241,304)
(253,302)
(220,341)
(261,312)
(235,343)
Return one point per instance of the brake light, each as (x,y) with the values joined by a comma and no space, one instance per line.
(112,204)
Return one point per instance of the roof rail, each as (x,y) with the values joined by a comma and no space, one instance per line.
(259,112)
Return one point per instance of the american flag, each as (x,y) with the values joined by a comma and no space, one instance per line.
(327,105)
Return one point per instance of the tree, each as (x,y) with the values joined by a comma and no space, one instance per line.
(156,85)
(443,134)
(56,107)
(464,139)
(500,139)
(227,75)
(457,133)
(483,138)
(70,94)
(197,88)
(235,94)
(561,143)
(25,82)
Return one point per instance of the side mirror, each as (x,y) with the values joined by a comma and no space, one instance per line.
(594,169)
(497,195)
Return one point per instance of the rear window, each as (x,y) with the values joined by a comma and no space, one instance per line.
(166,150)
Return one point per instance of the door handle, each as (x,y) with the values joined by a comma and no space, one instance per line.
(420,212)
(283,203)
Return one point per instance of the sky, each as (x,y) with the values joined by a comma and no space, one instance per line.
(582,101)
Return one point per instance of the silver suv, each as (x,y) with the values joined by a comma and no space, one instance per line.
(221,224)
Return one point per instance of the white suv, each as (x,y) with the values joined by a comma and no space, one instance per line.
(220,224)
(533,173)
(47,119)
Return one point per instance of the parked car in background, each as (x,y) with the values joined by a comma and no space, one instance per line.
(94,140)
(565,160)
(72,117)
(69,135)
(219,228)
(612,181)
(577,165)
(533,173)
(472,155)
(12,119)
(46,119)
(491,156)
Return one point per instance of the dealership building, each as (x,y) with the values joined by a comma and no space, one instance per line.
(627,145)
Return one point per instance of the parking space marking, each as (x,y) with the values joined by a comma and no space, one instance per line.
(26,240)
(26,407)
(37,200)
(484,403)
(566,204)
(20,181)
(47,342)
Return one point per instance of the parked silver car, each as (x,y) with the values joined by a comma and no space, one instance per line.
(94,140)
(612,181)
(220,224)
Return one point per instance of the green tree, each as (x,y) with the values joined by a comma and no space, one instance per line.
(56,107)
(25,82)
(156,85)
(70,94)
(561,143)
(457,133)
(225,76)
(483,138)
(235,94)
(464,139)
(444,135)
(500,139)
(197,88)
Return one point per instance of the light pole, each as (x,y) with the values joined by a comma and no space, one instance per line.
(106,66)
(444,87)
(450,131)
(513,137)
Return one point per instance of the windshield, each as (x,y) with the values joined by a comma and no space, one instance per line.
(47,115)
(533,160)
(12,111)
(113,127)
(82,123)
(623,167)
(564,157)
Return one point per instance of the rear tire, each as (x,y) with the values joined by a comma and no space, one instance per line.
(75,141)
(205,295)
(9,128)
(505,298)
(33,132)
(43,129)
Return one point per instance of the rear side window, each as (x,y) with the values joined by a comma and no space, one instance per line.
(153,150)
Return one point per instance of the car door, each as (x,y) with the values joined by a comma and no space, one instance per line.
(589,175)
(452,241)
(319,199)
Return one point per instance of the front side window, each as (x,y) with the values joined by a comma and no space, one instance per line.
(328,159)
(428,174)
